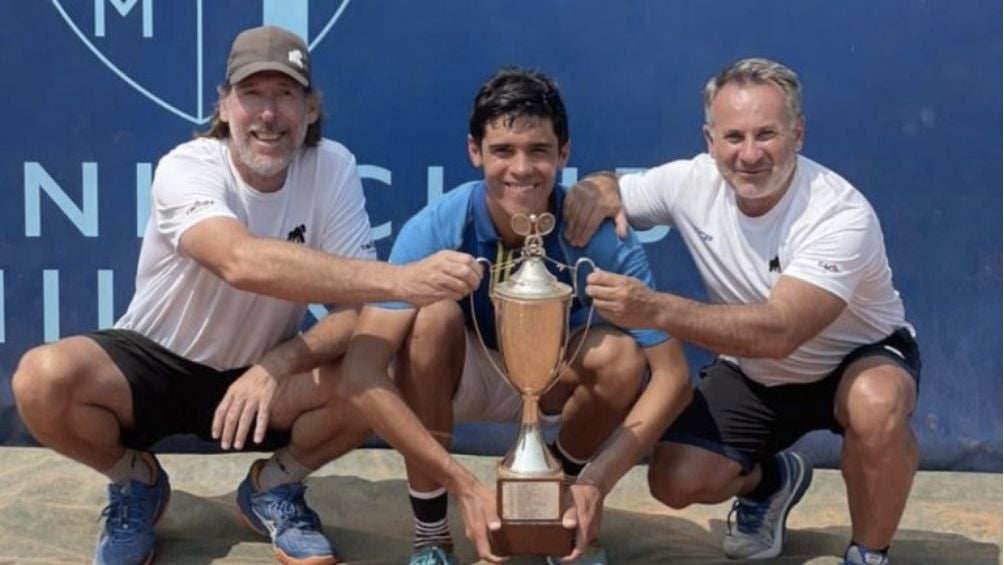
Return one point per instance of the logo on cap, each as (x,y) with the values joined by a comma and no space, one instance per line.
(296,57)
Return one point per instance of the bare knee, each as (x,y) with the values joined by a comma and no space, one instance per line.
(874,408)
(433,355)
(51,380)
(437,326)
(664,487)
(614,368)
(675,486)
(39,383)
(680,475)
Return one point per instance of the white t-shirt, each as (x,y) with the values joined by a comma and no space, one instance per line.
(188,309)
(823,232)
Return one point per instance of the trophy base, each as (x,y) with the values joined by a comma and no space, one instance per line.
(532,538)
(531,509)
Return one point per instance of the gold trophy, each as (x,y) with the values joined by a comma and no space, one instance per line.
(531,325)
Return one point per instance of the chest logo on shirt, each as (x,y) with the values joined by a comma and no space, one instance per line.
(297,234)
(774,265)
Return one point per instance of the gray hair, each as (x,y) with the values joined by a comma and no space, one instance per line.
(757,71)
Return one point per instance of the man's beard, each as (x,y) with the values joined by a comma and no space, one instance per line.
(264,165)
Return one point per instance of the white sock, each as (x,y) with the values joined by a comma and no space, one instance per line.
(132,467)
(281,469)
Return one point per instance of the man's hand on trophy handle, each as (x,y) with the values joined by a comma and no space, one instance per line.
(622,300)
(445,275)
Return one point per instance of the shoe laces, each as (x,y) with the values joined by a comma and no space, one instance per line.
(749,515)
(433,555)
(124,516)
(290,508)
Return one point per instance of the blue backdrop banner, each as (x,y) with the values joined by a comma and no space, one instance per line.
(902,98)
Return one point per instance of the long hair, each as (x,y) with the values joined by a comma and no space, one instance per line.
(221,130)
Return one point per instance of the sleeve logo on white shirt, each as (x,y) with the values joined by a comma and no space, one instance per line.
(298,234)
(829,267)
(774,265)
(198,205)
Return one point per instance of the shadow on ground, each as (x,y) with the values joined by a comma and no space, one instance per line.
(370,522)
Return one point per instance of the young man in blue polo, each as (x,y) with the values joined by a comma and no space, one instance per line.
(519,138)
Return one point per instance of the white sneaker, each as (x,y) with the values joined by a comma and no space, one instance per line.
(759,531)
(857,555)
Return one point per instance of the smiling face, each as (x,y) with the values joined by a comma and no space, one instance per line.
(268,114)
(521,157)
(755,142)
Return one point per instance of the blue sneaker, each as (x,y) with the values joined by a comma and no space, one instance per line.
(857,555)
(282,514)
(132,510)
(432,555)
(760,529)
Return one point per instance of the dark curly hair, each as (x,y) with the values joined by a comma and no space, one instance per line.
(514,93)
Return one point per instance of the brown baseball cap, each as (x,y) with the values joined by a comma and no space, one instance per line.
(268,48)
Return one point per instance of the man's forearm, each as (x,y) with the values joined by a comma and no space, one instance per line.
(391,419)
(324,342)
(665,397)
(748,330)
(301,274)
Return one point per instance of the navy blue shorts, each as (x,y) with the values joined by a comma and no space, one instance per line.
(170,394)
(746,421)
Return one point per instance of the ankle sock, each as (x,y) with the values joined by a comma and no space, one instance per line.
(431,525)
(133,466)
(770,480)
(282,468)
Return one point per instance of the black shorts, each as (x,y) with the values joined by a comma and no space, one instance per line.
(746,421)
(170,394)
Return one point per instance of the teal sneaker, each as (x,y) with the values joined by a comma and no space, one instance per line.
(127,537)
(432,555)
(760,526)
(857,555)
(282,514)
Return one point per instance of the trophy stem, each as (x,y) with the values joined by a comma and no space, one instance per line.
(531,410)
(530,456)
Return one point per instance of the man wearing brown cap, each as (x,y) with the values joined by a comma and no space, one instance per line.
(251,222)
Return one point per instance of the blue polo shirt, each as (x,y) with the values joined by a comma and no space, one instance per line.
(460,221)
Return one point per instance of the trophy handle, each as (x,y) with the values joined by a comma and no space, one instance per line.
(589,316)
(477,327)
